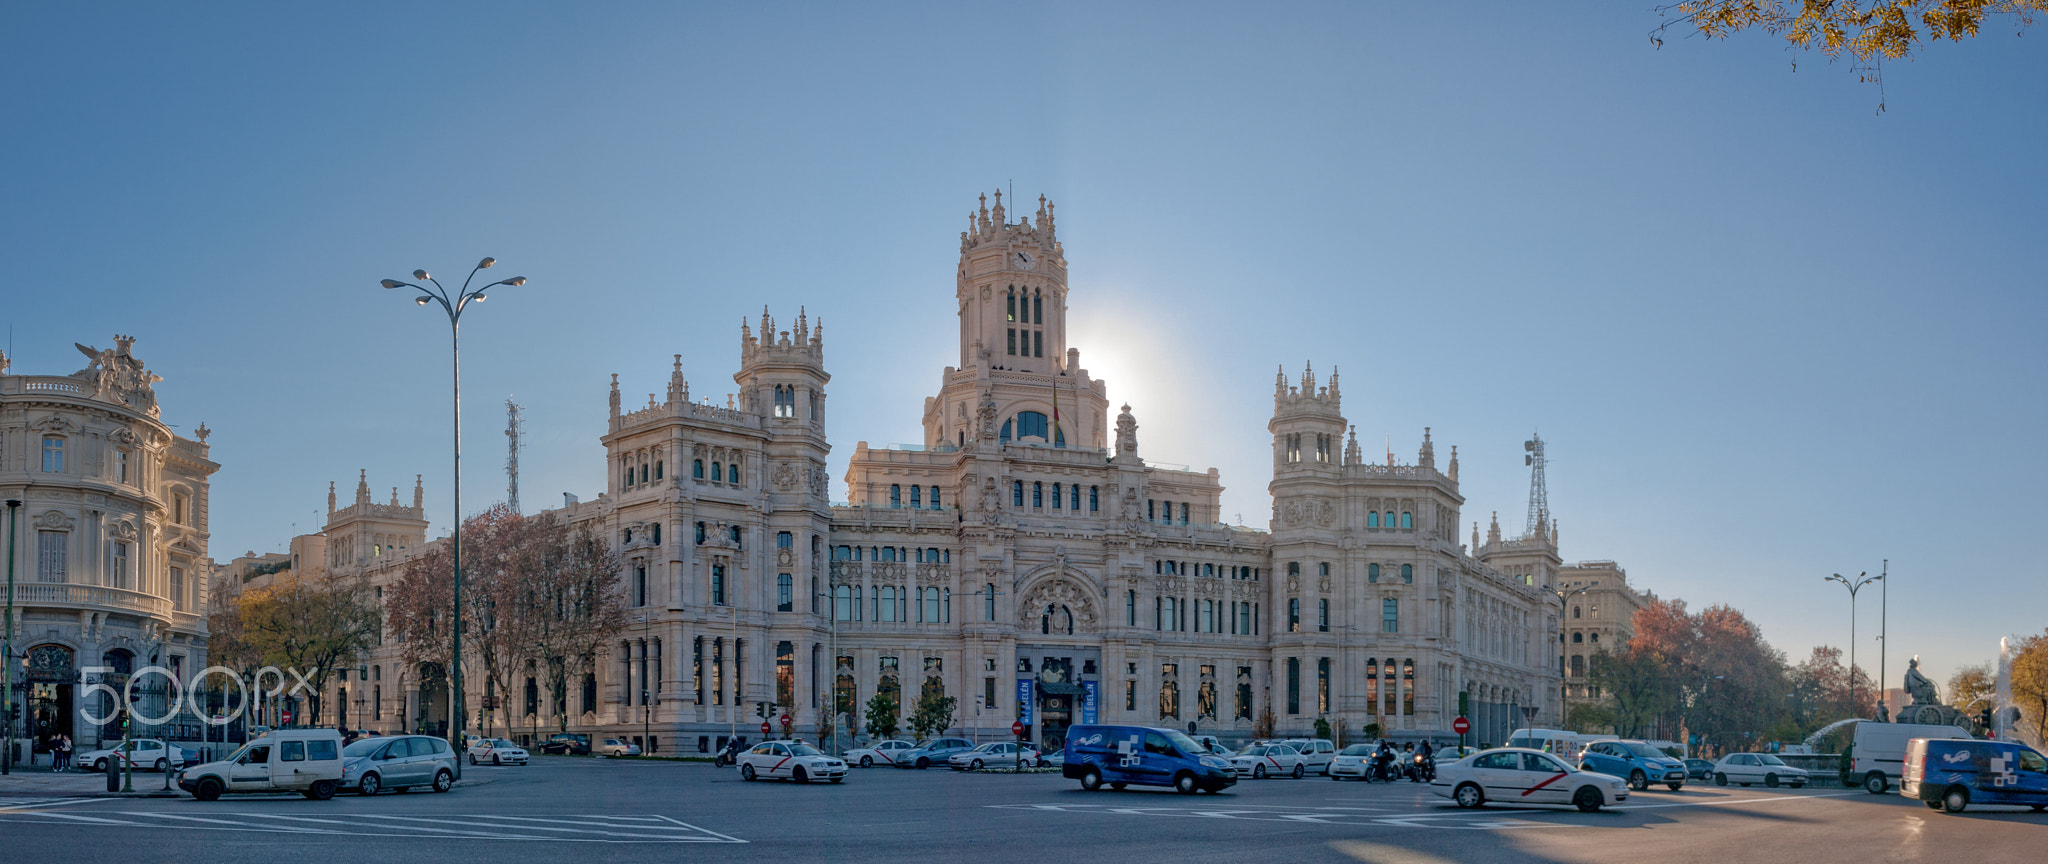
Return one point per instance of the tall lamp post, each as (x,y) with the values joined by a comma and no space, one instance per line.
(1563,597)
(7,655)
(1884,645)
(454,306)
(1853,585)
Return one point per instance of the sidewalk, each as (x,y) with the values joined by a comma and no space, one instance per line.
(38,781)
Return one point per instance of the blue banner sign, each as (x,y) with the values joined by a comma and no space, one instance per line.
(1025,686)
(1088,702)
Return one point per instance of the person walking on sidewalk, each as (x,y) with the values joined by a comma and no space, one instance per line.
(60,753)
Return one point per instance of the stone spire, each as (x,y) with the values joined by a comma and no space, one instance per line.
(1475,538)
(1454,474)
(996,212)
(678,386)
(1279,384)
(419,493)
(1308,380)
(1493,532)
(363,487)
(1427,458)
(394,496)
(330,497)
(615,395)
(1351,455)
(1334,398)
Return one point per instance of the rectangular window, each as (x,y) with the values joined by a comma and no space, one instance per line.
(1408,687)
(785,674)
(50,550)
(1092,496)
(1390,615)
(1038,343)
(1372,686)
(1130,609)
(1294,685)
(178,588)
(785,590)
(292,751)
(784,540)
(1323,615)
(1055,496)
(988,694)
(718,584)
(53,455)
(1294,614)
(1130,695)
(1183,512)
(117,565)
(1013,341)
(1322,685)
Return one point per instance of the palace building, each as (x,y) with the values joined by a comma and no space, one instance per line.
(1025,558)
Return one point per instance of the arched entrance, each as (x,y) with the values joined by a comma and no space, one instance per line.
(51,671)
(431,717)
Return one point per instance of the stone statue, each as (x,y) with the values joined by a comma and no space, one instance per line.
(1126,434)
(1919,687)
(1927,707)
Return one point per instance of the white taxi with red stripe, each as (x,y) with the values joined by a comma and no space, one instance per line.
(1515,776)
(1261,761)
(793,760)
(879,753)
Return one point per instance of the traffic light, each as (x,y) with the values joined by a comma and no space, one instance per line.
(1984,718)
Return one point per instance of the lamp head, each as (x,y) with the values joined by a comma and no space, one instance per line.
(420,274)
(389,283)
(479,297)
(486,263)
(420,300)
(515,281)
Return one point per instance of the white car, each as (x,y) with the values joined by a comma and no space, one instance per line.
(1747,768)
(615,747)
(1352,761)
(147,754)
(496,751)
(1316,753)
(790,759)
(1517,776)
(995,754)
(1261,761)
(884,752)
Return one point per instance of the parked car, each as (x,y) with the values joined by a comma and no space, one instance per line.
(1953,773)
(399,762)
(792,760)
(497,751)
(1518,776)
(145,754)
(306,761)
(1055,759)
(567,744)
(1699,769)
(1747,768)
(1261,761)
(1351,762)
(1316,753)
(616,747)
(935,751)
(1146,756)
(1214,745)
(1878,752)
(1635,761)
(995,754)
(884,752)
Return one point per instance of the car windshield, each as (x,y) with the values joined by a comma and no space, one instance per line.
(804,750)
(1768,759)
(363,748)
(1253,750)
(1644,750)
(1184,744)
(1357,750)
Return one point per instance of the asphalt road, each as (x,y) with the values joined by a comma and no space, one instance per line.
(582,810)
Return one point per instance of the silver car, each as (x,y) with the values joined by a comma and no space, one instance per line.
(995,754)
(372,765)
(933,752)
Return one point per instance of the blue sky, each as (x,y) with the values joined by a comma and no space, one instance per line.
(1770,333)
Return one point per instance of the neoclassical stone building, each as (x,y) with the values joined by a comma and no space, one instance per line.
(110,543)
(1024,558)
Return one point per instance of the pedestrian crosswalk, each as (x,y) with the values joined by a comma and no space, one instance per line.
(564,828)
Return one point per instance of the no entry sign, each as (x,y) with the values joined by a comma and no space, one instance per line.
(1017,729)
(1461,725)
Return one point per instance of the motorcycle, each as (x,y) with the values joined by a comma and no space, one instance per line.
(1423,770)
(726,758)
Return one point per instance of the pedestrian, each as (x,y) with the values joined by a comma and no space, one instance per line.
(60,753)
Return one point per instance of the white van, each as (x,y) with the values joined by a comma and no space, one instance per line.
(1879,756)
(307,761)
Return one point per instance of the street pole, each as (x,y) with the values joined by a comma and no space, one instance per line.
(1884,646)
(457,709)
(1853,586)
(1563,597)
(7,682)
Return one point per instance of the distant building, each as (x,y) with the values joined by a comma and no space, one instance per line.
(1600,620)
(111,544)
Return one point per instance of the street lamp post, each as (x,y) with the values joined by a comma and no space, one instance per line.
(7,654)
(1563,597)
(1884,645)
(454,306)
(1853,585)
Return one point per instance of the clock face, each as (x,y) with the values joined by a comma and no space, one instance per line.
(1024,261)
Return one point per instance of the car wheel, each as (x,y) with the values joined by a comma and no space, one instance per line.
(1745,785)
(321,790)
(1091,780)
(974,765)
(837,779)
(400,790)
(1675,786)
(867,761)
(1588,799)
(1335,777)
(162,765)
(746,772)
(1936,805)
(2039,807)
(1798,784)
(100,766)
(369,786)
(1118,786)
(799,775)
(1258,772)
(497,760)
(1771,780)
(472,758)
(1720,779)
(1184,783)
(1638,781)
(1875,783)
(923,763)
(1468,795)
(207,790)
(444,780)
(1298,772)
(1956,799)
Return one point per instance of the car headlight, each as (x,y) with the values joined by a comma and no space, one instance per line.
(1214,762)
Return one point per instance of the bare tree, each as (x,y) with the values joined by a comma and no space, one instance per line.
(566,589)
(313,623)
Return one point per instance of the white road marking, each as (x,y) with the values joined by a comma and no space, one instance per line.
(594,828)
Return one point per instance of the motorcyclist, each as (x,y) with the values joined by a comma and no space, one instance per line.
(730,754)
(1384,761)
(1425,761)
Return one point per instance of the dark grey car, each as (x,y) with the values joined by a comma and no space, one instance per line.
(933,752)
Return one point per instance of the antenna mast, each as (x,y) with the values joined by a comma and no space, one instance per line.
(1539,494)
(512,428)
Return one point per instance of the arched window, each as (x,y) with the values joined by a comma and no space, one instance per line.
(697,469)
(1390,519)
(1595,638)
(1578,638)
(1372,572)
(732,473)
(1077,496)
(717,472)
(1408,573)
(1575,611)
(1093,497)
(916,497)
(1011,315)
(1006,429)
(1407,519)
(1372,520)
(935,497)
(1055,496)
(643,472)
(1037,308)
(895,497)
(1037,494)
(1031,424)
(1016,493)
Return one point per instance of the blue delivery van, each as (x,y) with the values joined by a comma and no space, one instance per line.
(1953,773)
(1144,756)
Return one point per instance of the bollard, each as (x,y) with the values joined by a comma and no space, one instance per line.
(113,778)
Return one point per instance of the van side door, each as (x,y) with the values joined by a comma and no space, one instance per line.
(252,771)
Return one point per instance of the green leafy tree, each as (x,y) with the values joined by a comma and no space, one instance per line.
(1322,727)
(932,715)
(881,716)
